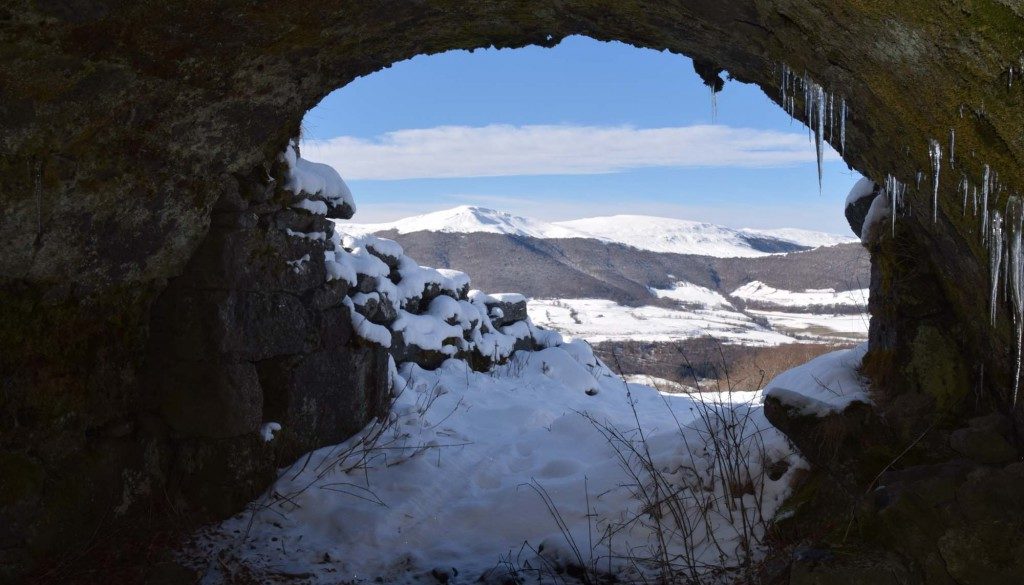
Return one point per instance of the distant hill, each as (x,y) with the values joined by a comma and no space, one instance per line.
(749,287)
(588,268)
(642,232)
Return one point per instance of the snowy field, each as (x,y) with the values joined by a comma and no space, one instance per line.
(822,326)
(701,313)
(530,468)
(762,293)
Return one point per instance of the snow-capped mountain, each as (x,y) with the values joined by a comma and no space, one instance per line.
(655,234)
(468,219)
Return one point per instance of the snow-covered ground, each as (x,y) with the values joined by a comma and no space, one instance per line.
(818,325)
(690,294)
(476,475)
(599,320)
(828,383)
(657,234)
(762,293)
(546,466)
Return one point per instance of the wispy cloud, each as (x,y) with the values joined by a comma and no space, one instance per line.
(505,150)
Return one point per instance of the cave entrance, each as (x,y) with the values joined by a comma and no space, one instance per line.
(635,206)
(511,449)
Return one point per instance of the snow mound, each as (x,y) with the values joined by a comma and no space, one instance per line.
(826,384)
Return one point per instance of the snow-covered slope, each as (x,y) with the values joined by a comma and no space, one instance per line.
(656,234)
(808,238)
(662,234)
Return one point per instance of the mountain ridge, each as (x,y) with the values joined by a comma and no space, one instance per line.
(642,232)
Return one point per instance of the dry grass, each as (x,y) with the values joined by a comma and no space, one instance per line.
(707,362)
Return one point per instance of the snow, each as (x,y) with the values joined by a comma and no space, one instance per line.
(316,236)
(806,238)
(818,325)
(877,213)
(657,234)
(314,207)
(598,320)
(427,331)
(760,292)
(468,219)
(267,431)
(371,332)
(661,384)
(315,179)
(660,234)
(382,246)
(462,473)
(510,298)
(861,189)
(826,384)
(688,293)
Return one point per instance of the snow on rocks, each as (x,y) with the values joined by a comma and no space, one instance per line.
(826,384)
(320,183)
(463,472)
(425,315)
(861,189)
(858,204)
(268,430)
(875,219)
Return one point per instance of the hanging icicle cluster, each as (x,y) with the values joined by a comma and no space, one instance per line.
(1006,264)
(821,112)
(895,190)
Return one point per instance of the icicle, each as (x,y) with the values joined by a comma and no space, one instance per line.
(784,84)
(985,185)
(964,188)
(952,146)
(820,134)
(714,105)
(832,103)
(917,179)
(842,126)
(995,256)
(1015,279)
(935,153)
(895,190)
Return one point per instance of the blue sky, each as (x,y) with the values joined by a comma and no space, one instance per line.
(586,128)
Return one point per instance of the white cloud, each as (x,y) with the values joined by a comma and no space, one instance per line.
(505,150)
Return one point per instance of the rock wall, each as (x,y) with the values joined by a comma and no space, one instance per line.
(128,125)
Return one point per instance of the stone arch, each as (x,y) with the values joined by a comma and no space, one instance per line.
(125,125)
